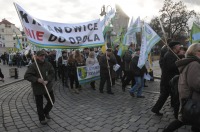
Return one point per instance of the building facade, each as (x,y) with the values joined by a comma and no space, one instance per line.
(7,33)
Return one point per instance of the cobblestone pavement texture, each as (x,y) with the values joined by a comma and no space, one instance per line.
(84,112)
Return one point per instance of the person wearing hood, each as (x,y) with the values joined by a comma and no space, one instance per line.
(38,85)
(189,79)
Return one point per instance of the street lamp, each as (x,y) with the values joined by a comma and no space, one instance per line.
(109,32)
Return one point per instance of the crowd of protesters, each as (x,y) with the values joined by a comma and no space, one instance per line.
(14,59)
(65,69)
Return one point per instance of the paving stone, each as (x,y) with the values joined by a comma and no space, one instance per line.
(118,129)
(87,111)
(142,130)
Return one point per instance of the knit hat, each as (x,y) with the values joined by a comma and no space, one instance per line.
(173,43)
(40,53)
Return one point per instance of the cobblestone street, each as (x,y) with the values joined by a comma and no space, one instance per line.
(84,112)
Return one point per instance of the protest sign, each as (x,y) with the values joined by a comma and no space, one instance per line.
(88,73)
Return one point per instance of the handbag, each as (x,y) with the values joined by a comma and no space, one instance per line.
(191,111)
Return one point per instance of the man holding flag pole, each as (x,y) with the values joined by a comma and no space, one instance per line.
(40,74)
(40,79)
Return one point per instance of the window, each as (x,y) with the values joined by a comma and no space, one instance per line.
(8,25)
(2,30)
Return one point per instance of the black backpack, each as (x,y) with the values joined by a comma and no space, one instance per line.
(175,94)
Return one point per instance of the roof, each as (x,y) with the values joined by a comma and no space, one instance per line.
(6,22)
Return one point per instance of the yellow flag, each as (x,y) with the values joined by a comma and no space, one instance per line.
(104,48)
(150,63)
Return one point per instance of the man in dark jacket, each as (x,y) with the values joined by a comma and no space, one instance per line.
(169,70)
(104,72)
(38,85)
(119,71)
(127,74)
(62,66)
(52,60)
(138,75)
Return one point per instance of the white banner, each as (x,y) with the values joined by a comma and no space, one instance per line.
(55,35)
(88,73)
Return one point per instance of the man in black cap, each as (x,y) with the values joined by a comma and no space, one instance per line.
(104,70)
(38,85)
(169,70)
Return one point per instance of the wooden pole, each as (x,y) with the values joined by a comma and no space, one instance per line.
(108,69)
(166,39)
(35,60)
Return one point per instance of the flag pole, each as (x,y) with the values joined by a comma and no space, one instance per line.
(106,51)
(43,79)
(108,69)
(165,42)
(35,59)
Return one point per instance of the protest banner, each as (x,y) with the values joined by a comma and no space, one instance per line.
(46,34)
(88,73)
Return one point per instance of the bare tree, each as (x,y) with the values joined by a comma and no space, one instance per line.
(197,19)
(174,17)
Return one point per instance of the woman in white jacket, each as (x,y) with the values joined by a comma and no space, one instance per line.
(90,61)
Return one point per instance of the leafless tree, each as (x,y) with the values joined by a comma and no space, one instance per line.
(174,17)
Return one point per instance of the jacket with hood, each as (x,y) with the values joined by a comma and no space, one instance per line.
(189,79)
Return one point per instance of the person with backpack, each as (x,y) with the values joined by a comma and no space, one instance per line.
(188,87)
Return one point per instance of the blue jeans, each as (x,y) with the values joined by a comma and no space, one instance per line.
(139,85)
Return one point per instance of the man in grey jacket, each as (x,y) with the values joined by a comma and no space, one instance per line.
(38,85)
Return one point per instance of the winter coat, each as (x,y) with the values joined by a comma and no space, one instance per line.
(189,79)
(91,61)
(169,69)
(71,67)
(104,66)
(117,57)
(136,71)
(32,76)
(174,94)
(61,63)
(127,59)
(163,51)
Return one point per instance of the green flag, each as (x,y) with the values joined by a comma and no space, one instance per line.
(195,33)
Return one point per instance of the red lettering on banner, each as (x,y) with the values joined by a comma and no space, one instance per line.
(39,35)
(34,34)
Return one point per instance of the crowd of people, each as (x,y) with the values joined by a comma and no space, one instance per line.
(65,68)
(176,81)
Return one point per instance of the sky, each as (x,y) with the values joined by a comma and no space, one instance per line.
(75,11)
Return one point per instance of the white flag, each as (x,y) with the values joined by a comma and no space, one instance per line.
(130,36)
(142,59)
(149,39)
